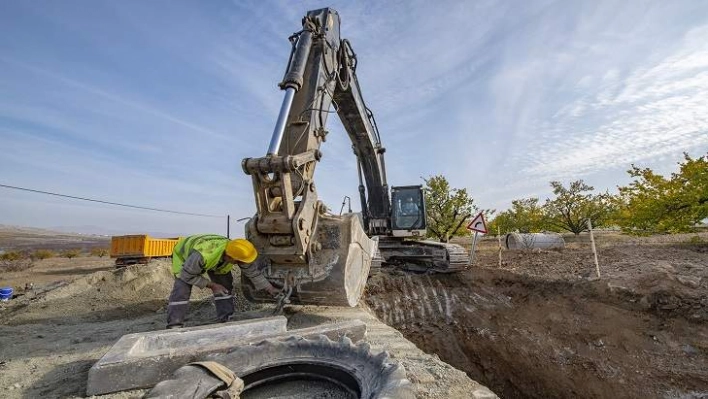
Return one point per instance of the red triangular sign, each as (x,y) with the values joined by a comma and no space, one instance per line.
(478,224)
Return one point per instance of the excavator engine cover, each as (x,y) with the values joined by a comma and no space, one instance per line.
(337,269)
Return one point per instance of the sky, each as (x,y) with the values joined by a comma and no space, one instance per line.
(156,103)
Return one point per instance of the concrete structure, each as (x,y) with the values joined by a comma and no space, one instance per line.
(547,240)
(141,360)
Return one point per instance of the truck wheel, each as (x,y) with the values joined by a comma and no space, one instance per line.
(352,369)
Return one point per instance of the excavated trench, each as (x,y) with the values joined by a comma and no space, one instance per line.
(530,338)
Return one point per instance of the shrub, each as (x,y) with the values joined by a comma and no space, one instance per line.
(71,253)
(100,252)
(43,254)
(12,256)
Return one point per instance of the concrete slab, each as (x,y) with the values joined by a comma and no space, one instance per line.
(144,359)
(140,360)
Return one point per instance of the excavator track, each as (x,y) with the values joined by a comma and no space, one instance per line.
(420,256)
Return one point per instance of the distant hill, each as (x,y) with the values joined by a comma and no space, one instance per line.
(32,238)
(102,231)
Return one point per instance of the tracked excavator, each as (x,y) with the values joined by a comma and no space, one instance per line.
(317,257)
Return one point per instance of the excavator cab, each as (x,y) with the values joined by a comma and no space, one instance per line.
(407,211)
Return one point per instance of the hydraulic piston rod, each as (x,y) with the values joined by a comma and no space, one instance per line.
(292,82)
(282,119)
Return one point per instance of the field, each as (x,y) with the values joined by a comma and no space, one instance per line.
(540,326)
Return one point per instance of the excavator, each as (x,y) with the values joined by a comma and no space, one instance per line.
(317,257)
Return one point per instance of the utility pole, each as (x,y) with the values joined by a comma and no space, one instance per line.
(228,226)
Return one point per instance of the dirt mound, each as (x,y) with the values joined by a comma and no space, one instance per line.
(100,296)
(541,330)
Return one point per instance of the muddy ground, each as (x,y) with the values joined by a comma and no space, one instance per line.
(539,326)
(543,326)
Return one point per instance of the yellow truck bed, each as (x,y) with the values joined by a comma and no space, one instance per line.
(140,248)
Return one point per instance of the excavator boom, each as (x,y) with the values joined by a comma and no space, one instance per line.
(318,257)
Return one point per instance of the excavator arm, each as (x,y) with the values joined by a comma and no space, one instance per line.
(325,258)
(361,127)
(319,257)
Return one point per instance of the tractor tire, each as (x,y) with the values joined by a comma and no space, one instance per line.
(352,368)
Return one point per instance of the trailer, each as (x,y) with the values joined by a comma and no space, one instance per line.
(140,248)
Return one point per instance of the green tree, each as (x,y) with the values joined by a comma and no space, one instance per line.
(448,209)
(526,215)
(655,204)
(573,206)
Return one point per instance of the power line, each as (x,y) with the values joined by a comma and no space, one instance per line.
(110,203)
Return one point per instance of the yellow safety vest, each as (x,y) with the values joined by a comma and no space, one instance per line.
(210,246)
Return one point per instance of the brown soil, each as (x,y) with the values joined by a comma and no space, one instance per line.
(536,328)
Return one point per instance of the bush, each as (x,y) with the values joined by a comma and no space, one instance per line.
(71,253)
(12,256)
(100,252)
(43,254)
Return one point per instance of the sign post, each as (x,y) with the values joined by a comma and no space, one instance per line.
(479,226)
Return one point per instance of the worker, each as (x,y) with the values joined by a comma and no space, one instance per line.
(214,255)
(409,207)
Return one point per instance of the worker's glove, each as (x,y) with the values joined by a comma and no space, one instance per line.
(273,290)
(218,289)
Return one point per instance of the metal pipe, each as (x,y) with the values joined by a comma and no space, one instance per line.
(274,146)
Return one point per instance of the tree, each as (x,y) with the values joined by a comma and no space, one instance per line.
(42,254)
(655,204)
(71,253)
(447,209)
(100,252)
(573,206)
(524,216)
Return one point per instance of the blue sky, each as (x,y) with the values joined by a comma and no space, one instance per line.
(156,103)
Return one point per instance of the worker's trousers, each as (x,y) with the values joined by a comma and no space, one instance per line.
(179,300)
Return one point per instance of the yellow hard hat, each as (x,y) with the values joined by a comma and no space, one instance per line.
(241,250)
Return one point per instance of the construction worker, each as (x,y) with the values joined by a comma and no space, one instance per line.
(409,207)
(214,255)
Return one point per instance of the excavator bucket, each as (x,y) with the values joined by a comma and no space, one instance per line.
(337,272)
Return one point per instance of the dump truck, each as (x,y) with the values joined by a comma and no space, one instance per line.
(140,248)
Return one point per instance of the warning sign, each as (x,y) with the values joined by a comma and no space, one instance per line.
(478,224)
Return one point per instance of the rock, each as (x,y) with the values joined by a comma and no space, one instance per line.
(18,386)
(689,350)
(665,267)
(689,281)
(644,303)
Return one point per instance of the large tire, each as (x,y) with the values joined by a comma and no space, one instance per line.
(353,367)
